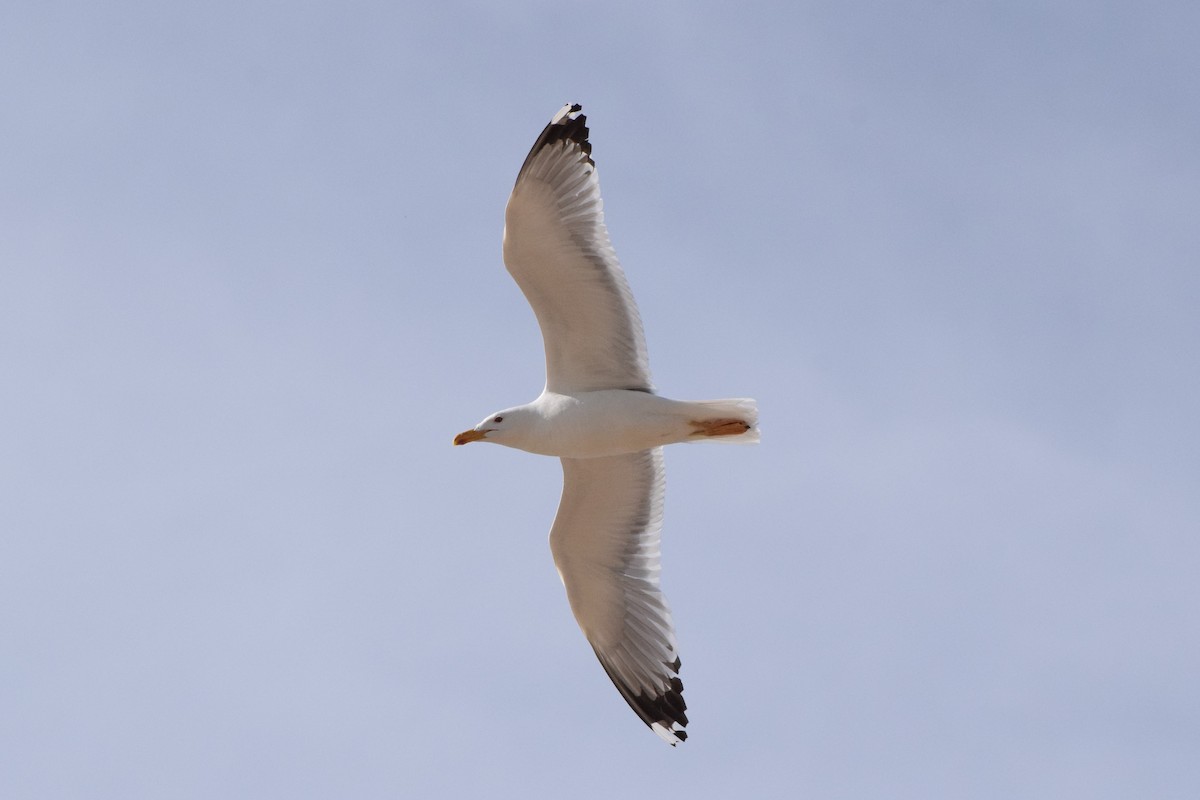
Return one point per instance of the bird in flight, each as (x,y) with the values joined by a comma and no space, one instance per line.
(600,415)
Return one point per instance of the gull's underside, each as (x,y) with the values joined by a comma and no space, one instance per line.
(605,538)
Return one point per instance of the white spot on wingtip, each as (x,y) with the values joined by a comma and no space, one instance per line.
(564,113)
(665,733)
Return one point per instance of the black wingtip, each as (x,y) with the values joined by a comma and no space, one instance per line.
(570,125)
(665,708)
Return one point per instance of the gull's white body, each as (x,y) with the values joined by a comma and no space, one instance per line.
(608,422)
(600,415)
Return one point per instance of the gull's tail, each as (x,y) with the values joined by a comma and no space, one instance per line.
(734,421)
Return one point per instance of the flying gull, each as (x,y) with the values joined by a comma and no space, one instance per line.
(600,415)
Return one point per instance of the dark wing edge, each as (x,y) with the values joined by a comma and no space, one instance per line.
(569,124)
(664,709)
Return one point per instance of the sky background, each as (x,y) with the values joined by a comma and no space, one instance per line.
(251,286)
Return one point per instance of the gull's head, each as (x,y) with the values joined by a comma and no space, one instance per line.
(503,427)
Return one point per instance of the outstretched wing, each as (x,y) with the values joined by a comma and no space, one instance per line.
(557,249)
(605,542)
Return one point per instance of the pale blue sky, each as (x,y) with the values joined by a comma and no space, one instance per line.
(250,287)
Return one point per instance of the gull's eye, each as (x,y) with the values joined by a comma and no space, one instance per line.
(498,419)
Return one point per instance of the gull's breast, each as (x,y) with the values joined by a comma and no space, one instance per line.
(608,423)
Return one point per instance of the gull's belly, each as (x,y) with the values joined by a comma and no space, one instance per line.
(609,422)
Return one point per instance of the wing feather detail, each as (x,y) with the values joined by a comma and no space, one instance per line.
(557,249)
(606,546)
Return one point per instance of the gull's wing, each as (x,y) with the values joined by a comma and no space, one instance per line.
(605,542)
(557,249)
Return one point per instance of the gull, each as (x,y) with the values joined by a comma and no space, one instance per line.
(600,415)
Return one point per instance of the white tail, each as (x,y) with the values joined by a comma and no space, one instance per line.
(715,418)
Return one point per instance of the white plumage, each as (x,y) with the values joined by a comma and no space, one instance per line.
(600,415)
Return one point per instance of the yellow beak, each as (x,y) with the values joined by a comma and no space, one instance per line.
(472,435)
